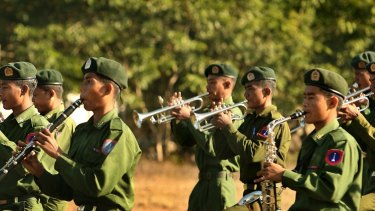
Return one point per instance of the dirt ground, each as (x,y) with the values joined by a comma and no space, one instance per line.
(165,186)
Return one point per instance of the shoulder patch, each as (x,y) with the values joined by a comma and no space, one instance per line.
(263,133)
(334,156)
(107,146)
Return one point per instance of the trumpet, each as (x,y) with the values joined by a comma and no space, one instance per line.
(199,118)
(361,91)
(356,97)
(158,116)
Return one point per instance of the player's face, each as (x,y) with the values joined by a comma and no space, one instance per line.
(254,95)
(362,78)
(315,105)
(41,99)
(216,87)
(10,94)
(92,92)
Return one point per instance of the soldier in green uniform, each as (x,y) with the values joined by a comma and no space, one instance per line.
(97,172)
(362,78)
(18,190)
(361,127)
(248,140)
(48,100)
(328,175)
(215,189)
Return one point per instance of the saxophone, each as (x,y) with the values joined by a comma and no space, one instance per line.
(269,195)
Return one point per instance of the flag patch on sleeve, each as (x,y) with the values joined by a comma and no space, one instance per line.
(30,137)
(263,133)
(107,146)
(334,156)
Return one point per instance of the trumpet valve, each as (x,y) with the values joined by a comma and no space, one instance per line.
(153,120)
(161,100)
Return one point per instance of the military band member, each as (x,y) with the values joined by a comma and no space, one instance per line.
(215,189)
(248,140)
(97,172)
(362,78)
(18,190)
(328,175)
(363,129)
(48,99)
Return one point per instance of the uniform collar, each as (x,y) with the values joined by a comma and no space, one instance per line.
(318,135)
(106,118)
(26,114)
(52,114)
(266,111)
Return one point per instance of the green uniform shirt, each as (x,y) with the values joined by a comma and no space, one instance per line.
(18,182)
(63,135)
(329,171)
(248,142)
(186,135)
(363,130)
(212,192)
(369,114)
(99,167)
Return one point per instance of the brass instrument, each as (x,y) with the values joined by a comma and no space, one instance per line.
(357,96)
(199,118)
(158,116)
(361,91)
(19,156)
(269,195)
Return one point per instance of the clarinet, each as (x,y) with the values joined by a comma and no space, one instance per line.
(19,156)
(269,195)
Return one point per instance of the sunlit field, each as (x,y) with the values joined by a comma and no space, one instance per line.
(166,186)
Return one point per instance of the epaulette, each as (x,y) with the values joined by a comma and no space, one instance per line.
(116,124)
(38,121)
(338,135)
(276,114)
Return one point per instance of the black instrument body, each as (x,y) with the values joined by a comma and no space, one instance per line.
(19,156)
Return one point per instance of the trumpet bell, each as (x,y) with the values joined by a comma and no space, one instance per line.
(138,119)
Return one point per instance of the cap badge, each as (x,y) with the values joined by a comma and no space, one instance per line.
(8,71)
(88,64)
(362,64)
(315,75)
(215,70)
(250,76)
(372,68)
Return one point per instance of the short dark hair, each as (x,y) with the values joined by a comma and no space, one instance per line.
(59,90)
(31,83)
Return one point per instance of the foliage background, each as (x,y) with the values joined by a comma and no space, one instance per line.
(166,44)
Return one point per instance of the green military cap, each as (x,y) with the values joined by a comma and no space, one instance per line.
(221,70)
(107,68)
(49,77)
(258,73)
(361,60)
(327,80)
(371,67)
(18,71)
